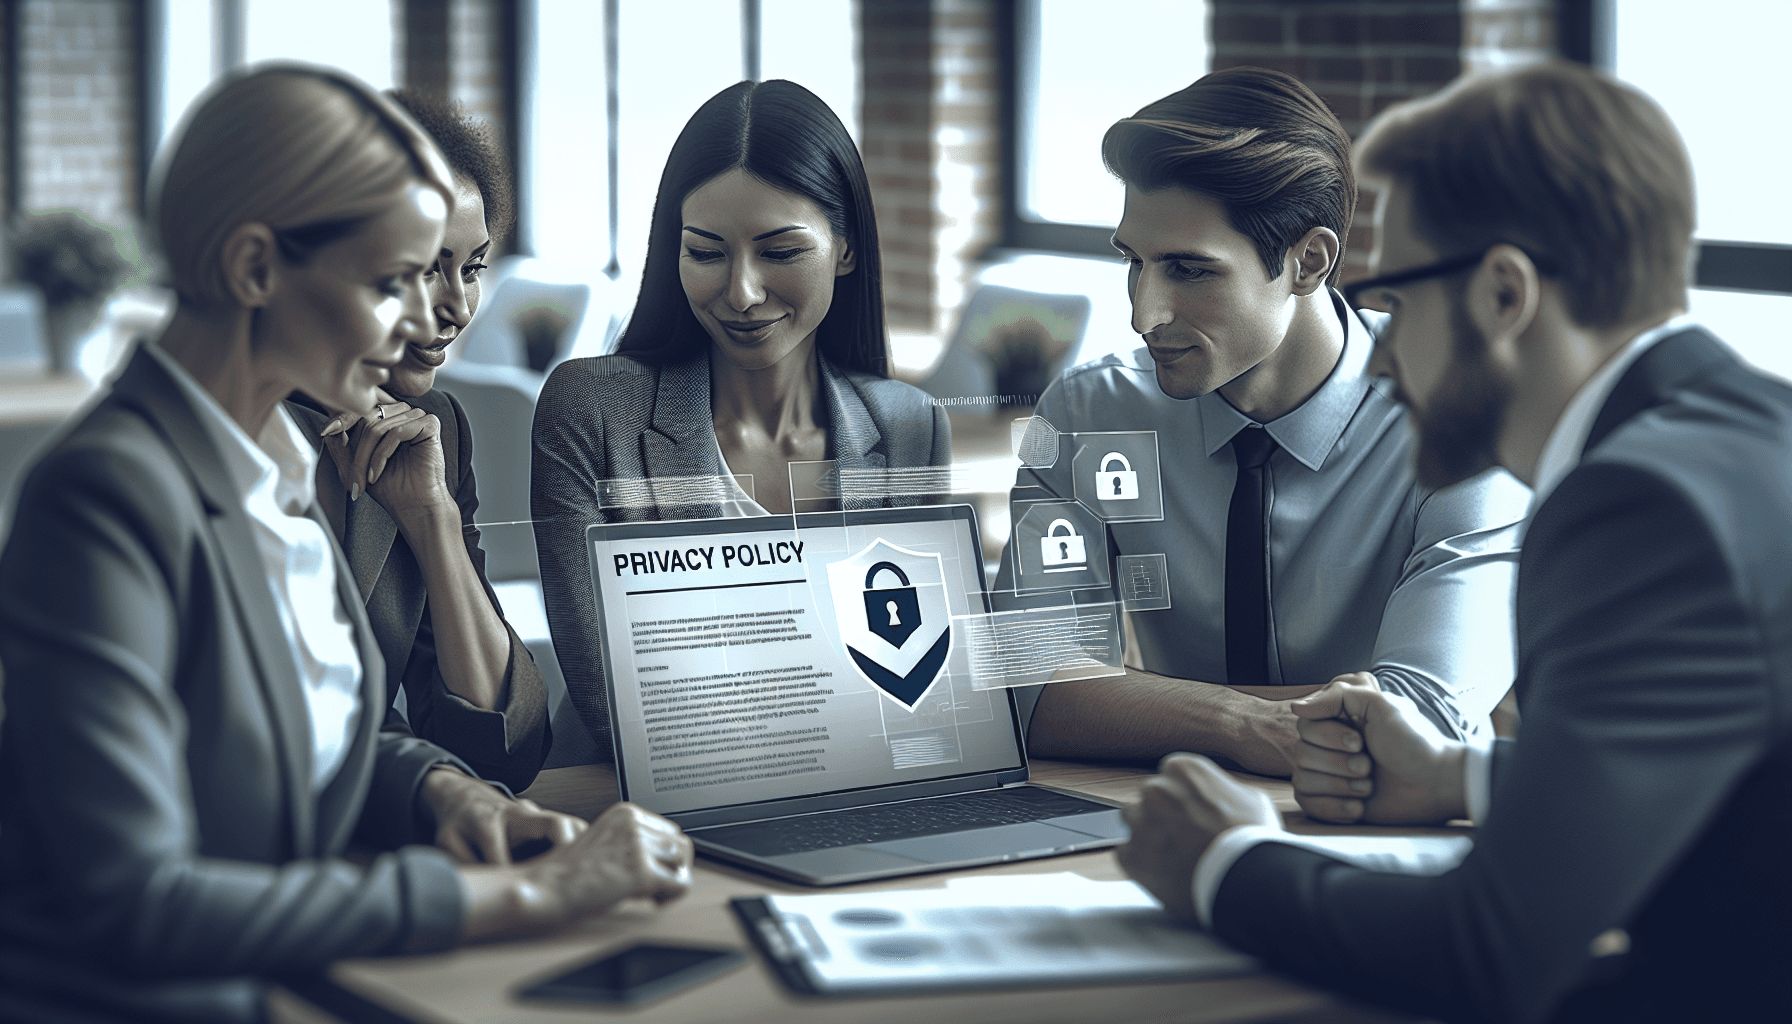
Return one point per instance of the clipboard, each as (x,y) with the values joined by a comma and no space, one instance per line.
(979,935)
(762,929)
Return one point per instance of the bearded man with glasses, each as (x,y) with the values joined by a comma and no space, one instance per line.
(1628,861)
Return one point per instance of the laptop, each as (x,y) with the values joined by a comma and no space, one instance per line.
(796,693)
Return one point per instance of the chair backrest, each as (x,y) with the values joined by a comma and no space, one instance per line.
(500,406)
(22,337)
(516,308)
(1008,342)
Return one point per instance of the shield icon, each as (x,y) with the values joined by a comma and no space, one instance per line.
(893,618)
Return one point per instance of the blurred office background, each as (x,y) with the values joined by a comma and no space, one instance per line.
(980,122)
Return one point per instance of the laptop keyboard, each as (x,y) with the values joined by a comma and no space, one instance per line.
(906,820)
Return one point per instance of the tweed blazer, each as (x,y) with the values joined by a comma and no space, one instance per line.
(616,418)
(161,848)
(507,745)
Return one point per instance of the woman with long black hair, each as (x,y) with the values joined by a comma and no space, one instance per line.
(757,341)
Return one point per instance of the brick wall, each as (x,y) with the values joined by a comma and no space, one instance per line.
(1505,33)
(931,142)
(476,59)
(421,37)
(1363,57)
(896,139)
(967,154)
(6,122)
(77,108)
(472,69)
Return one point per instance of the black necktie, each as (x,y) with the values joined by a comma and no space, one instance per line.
(1247,563)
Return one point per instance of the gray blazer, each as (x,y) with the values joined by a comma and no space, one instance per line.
(160,846)
(613,417)
(507,745)
(1650,787)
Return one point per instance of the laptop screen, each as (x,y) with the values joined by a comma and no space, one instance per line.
(766,658)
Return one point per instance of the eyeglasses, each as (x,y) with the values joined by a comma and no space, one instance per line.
(1455,265)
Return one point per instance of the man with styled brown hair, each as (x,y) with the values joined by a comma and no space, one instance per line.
(1297,543)
(1628,857)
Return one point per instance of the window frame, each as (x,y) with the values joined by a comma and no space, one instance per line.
(1019,232)
(1586,30)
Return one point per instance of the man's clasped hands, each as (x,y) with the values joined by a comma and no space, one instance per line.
(1364,756)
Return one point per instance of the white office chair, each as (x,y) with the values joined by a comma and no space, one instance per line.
(500,405)
(501,334)
(968,370)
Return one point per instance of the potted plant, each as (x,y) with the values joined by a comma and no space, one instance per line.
(76,264)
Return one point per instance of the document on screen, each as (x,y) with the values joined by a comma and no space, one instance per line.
(781,662)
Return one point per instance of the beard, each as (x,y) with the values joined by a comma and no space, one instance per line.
(1459,429)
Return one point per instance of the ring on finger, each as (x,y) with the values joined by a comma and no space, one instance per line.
(379,412)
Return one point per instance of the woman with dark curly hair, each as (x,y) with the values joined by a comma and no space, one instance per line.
(398,490)
(757,341)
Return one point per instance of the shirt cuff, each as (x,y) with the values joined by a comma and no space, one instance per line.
(1221,854)
(1477,779)
(1397,855)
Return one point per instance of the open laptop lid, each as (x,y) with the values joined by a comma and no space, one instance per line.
(778,665)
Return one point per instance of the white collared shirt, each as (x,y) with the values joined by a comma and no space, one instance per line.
(1429,856)
(274,473)
(739,504)
(1561,453)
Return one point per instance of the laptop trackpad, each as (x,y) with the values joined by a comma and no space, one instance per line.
(1104,824)
(843,861)
(1028,838)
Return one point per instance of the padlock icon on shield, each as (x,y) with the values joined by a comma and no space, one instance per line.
(1062,552)
(1116,484)
(893,613)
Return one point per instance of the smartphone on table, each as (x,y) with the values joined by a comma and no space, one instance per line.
(638,974)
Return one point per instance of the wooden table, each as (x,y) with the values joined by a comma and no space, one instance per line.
(473,984)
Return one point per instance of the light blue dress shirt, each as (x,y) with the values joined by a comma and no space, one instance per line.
(1368,570)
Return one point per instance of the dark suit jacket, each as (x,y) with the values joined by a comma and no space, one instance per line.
(160,846)
(1650,788)
(505,746)
(615,418)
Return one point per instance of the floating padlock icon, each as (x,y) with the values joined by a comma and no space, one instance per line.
(895,613)
(1062,552)
(1116,484)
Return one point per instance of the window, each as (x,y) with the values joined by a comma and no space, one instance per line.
(190,62)
(815,44)
(354,35)
(1716,73)
(200,39)
(672,58)
(1078,68)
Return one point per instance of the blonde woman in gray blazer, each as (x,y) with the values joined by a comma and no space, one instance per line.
(757,341)
(196,712)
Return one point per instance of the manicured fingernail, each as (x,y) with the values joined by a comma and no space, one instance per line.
(354,492)
(1359,785)
(1353,742)
(335,427)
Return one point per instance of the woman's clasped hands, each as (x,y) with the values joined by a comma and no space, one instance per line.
(395,454)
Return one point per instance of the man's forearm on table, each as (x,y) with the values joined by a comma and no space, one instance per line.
(1143,715)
